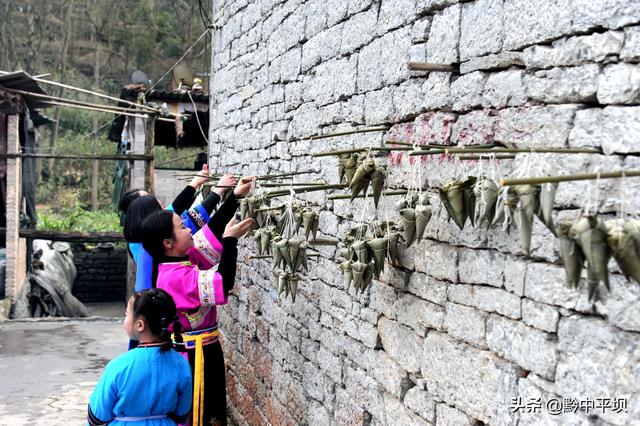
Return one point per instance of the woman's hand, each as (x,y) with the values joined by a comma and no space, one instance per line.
(244,186)
(227,181)
(201,178)
(237,229)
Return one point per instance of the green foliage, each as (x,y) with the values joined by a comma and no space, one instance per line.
(76,219)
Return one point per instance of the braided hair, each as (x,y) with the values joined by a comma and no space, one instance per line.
(159,311)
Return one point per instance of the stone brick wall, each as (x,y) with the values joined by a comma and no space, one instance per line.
(469,322)
(101,273)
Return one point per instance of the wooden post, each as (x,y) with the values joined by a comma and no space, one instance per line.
(16,247)
(149,150)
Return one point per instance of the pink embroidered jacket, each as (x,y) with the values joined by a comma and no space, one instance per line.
(195,285)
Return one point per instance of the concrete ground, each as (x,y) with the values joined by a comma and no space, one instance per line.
(49,367)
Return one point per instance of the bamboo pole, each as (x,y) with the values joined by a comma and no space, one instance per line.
(266,209)
(447,151)
(285,184)
(130,157)
(429,66)
(355,150)
(94,93)
(403,143)
(97,107)
(348,196)
(268,256)
(87,108)
(261,177)
(305,189)
(321,242)
(484,157)
(567,178)
(383,128)
(184,157)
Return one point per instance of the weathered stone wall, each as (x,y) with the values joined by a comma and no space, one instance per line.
(469,322)
(101,273)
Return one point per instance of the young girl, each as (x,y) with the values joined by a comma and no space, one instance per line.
(151,383)
(199,271)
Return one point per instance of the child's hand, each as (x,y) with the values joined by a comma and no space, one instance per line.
(244,186)
(201,178)
(237,229)
(225,181)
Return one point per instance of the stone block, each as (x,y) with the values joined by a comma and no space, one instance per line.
(433,128)
(426,6)
(546,283)
(598,359)
(481,267)
(290,65)
(474,128)
(401,343)
(421,403)
(564,85)
(357,30)
(614,14)
(615,129)
(540,315)
(529,348)
(504,89)
(466,91)
(436,91)
(428,288)
(497,61)
(394,14)
(620,306)
(478,383)
(316,17)
(418,314)
(597,47)
(527,23)
(461,293)
(467,324)
(631,49)
(390,375)
(529,391)
(533,126)
(407,100)
(444,36)
(480,28)
(378,106)
(420,31)
(497,300)
(438,260)
(619,84)
(450,416)
(397,414)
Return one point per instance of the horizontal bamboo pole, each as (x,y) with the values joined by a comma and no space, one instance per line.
(508,150)
(268,256)
(184,157)
(370,195)
(305,189)
(485,157)
(285,184)
(355,150)
(88,108)
(94,93)
(421,145)
(349,132)
(79,156)
(568,178)
(263,177)
(321,242)
(428,66)
(268,209)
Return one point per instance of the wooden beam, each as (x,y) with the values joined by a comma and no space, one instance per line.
(70,236)
(130,157)
(149,150)
(427,66)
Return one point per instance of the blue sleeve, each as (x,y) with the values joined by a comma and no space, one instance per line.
(105,395)
(144,269)
(185,391)
(195,218)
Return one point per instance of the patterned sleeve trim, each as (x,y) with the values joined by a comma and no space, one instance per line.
(195,218)
(207,245)
(210,288)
